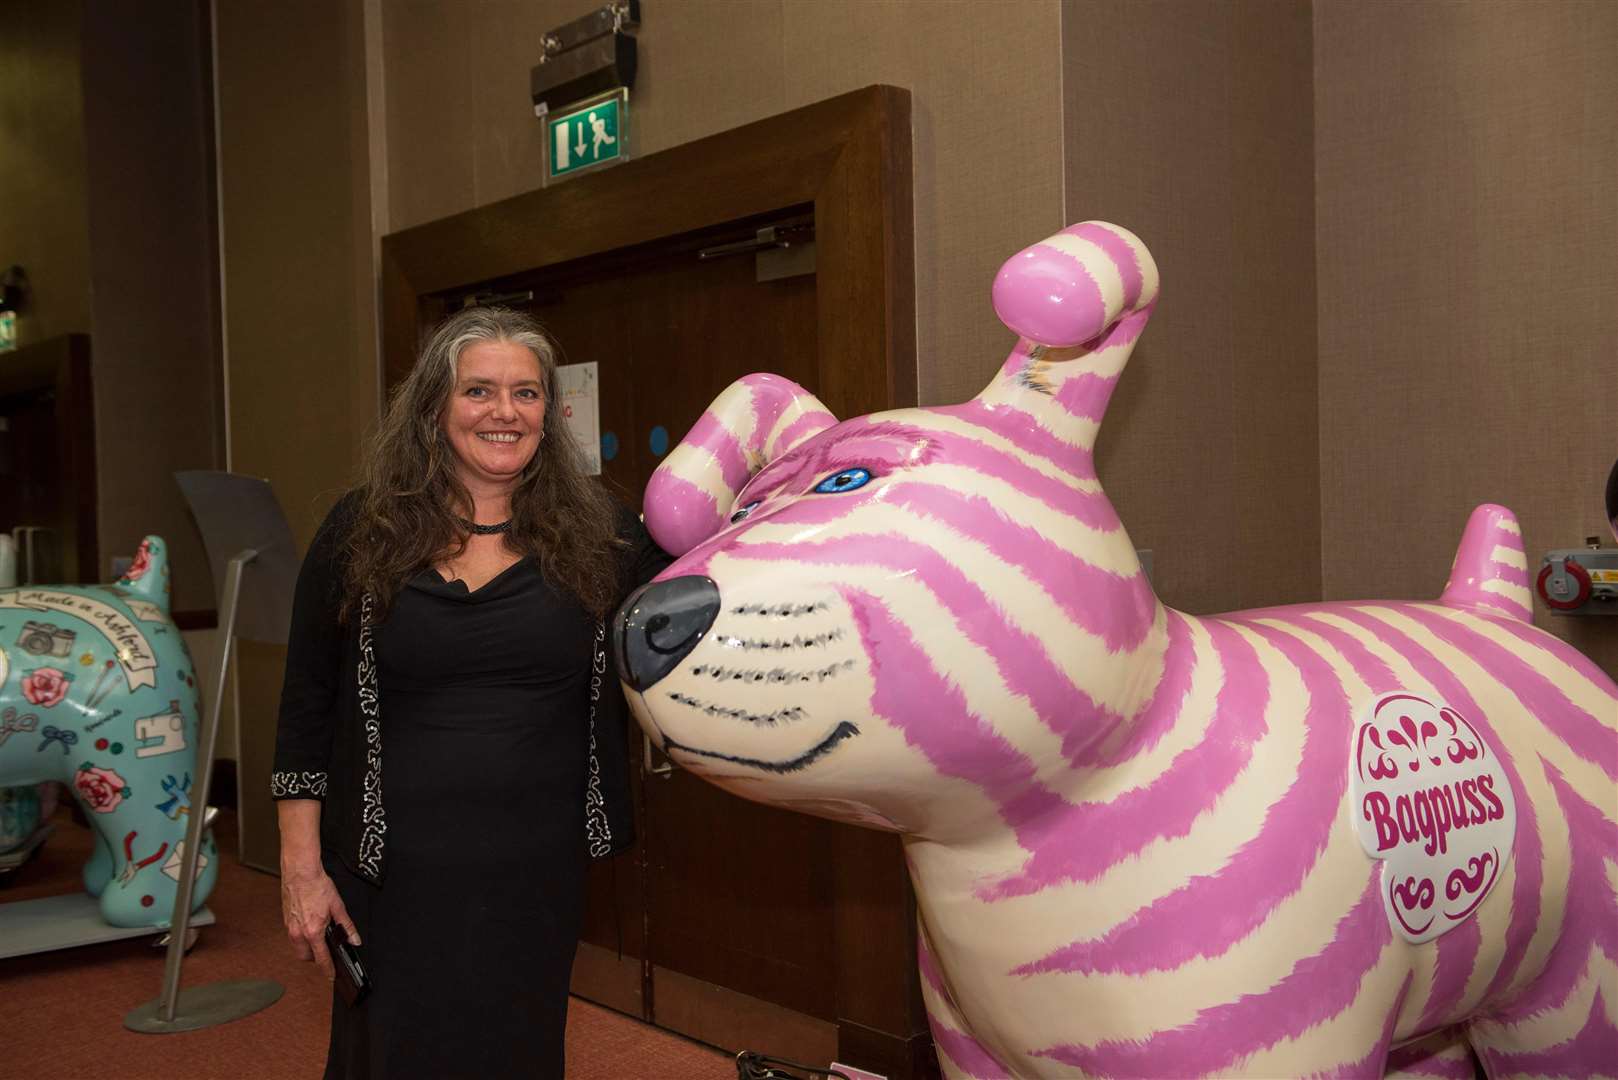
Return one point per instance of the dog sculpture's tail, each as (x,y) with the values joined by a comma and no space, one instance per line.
(1490,573)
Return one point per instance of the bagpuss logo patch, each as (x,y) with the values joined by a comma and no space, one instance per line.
(1432,800)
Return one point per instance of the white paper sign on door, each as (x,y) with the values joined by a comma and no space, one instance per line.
(581,408)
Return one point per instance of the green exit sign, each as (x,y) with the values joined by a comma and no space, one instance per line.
(587,136)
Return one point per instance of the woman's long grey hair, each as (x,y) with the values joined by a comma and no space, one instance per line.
(412,505)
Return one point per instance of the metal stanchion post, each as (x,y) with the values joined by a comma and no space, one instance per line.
(221,1002)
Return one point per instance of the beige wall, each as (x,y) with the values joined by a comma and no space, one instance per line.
(299,295)
(159,399)
(1468,267)
(43,224)
(1189,124)
(987,144)
(294,198)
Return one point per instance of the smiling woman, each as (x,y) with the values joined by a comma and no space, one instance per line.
(466,582)
(495,418)
(468,439)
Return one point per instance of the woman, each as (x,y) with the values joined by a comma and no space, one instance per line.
(449,749)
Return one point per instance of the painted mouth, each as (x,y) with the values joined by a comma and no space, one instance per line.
(843,731)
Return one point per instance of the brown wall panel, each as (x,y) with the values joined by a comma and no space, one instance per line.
(1468,255)
(987,133)
(1189,124)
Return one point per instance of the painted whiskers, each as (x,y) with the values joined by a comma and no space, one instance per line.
(1336,837)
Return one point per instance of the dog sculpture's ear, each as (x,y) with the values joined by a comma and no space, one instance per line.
(1078,302)
(757,419)
(148,575)
(1069,288)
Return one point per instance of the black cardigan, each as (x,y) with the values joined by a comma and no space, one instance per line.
(328,743)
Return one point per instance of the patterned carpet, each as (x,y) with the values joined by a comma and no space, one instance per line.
(64,1011)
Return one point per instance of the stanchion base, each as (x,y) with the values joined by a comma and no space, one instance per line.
(206,1006)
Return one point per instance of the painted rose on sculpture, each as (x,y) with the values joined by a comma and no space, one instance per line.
(46,686)
(141,562)
(101,789)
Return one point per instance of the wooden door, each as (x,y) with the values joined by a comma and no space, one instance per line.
(737,924)
(668,330)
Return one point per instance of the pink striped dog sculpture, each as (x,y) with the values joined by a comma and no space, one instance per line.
(1339,838)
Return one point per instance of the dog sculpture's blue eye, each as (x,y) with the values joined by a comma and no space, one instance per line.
(744,511)
(847,480)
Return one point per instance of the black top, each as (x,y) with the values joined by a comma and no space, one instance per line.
(330,740)
(487,692)
(470,940)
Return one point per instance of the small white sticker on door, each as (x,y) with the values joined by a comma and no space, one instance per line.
(581,408)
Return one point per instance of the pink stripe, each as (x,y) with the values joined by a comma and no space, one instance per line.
(1475,563)
(1318,988)
(1591,1052)
(1458,949)
(711,434)
(769,397)
(1049,296)
(1480,599)
(1086,394)
(1023,429)
(1091,838)
(1529,849)
(1020,657)
(1160,713)
(1368,667)
(803,429)
(961,1048)
(1511,575)
(1210,914)
(1374,1064)
(1090,508)
(1120,610)
(929,710)
(1457,958)
(679,515)
(1541,642)
(1590,919)
(1583,733)
(1118,250)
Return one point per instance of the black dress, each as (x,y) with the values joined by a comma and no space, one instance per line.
(470,938)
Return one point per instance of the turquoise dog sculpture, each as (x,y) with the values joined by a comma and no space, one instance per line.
(97,690)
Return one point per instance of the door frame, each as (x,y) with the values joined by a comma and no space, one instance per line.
(848,157)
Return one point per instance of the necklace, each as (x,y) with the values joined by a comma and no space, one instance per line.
(488,530)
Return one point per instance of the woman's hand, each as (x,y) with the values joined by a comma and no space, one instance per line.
(309,902)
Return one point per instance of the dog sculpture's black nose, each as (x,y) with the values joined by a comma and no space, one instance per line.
(659,626)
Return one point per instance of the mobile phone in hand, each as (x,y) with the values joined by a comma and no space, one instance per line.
(352,982)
